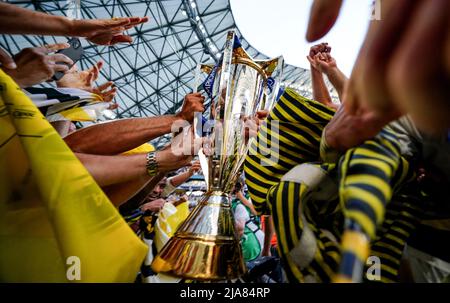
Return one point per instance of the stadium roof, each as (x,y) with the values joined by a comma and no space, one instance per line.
(156,71)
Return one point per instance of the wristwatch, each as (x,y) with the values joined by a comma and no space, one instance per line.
(152,165)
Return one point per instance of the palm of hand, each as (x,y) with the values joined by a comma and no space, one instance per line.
(76,80)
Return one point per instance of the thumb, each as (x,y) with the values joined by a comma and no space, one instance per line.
(6,60)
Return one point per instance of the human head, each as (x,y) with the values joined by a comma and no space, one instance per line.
(158,189)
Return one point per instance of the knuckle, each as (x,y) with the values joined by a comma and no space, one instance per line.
(28,50)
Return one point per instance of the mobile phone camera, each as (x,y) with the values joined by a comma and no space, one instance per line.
(76,43)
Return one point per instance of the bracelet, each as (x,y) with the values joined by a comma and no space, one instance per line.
(152,165)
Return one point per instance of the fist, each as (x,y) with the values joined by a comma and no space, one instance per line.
(192,103)
(195,167)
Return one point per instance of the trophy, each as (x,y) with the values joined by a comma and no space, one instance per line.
(205,246)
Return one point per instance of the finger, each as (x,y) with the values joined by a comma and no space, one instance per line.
(100,65)
(323,47)
(313,50)
(6,60)
(108,96)
(105,85)
(322,18)
(311,60)
(89,78)
(116,22)
(49,48)
(372,63)
(424,93)
(196,94)
(262,114)
(113,106)
(60,68)
(60,58)
(95,72)
(111,91)
(121,39)
(136,21)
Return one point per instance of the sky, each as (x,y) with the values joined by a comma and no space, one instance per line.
(278,27)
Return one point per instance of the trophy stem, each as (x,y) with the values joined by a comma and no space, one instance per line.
(205,247)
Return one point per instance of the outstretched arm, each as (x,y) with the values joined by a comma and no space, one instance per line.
(335,75)
(246,202)
(116,137)
(120,136)
(269,230)
(18,20)
(109,170)
(183,177)
(320,90)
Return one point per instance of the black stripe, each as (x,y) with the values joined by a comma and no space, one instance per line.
(303,108)
(385,261)
(296,117)
(356,156)
(393,243)
(284,187)
(264,183)
(391,137)
(370,188)
(382,150)
(263,175)
(367,169)
(359,205)
(386,250)
(7,140)
(395,233)
(29,136)
(321,107)
(317,267)
(398,174)
(301,146)
(307,135)
(297,202)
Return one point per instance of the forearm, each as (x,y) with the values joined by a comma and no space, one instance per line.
(109,170)
(248,204)
(18,20)
(119,136)
(320,91)
(121,193)
(338,80)
(130,195)
(268,233)
(180,179)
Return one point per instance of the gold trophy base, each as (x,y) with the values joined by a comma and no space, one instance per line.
(205,247)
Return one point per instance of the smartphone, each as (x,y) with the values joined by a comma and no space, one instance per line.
(74,52)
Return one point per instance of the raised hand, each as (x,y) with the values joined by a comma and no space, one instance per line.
(106,90)
(195,167)
(6,60)
(322,62)
(192,103)
(36,65)
(404,64)
(85,80)
(323,15)
(106,31)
